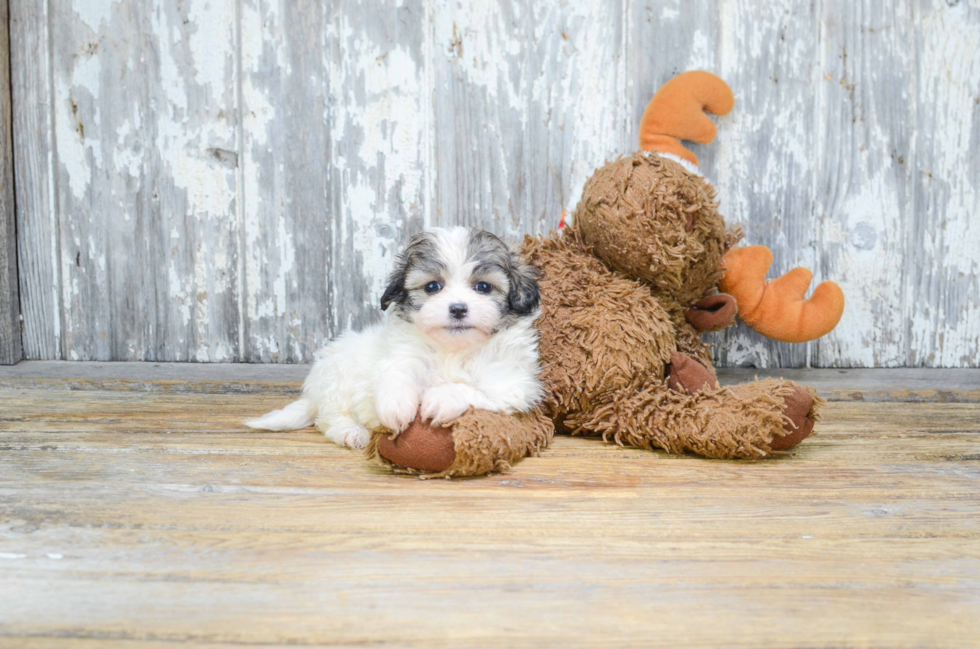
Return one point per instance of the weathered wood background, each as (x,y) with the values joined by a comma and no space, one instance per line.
(220,180)
(10,337)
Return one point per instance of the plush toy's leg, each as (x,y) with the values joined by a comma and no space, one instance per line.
(476,443)
(743,421)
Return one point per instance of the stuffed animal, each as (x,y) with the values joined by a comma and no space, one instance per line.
(626,291)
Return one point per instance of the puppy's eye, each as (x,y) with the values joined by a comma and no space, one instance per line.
(433,287)
(482,287)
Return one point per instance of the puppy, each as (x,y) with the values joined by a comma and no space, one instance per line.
(457,334)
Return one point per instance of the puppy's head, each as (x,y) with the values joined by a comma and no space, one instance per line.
(461,286)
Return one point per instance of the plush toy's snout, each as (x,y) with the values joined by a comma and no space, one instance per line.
(712,313)
(777,309)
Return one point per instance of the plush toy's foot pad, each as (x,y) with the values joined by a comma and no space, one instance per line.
(684,374)
(421,446)
(798,405)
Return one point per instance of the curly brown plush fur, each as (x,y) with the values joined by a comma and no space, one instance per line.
(645,245)
(652,220)
(616,292)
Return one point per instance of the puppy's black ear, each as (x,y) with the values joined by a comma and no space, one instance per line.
(420,248)
(395,291)
(524,296)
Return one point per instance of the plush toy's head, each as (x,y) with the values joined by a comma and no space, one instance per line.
(649,218)
(652,216)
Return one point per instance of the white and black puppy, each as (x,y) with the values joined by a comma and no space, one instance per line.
(458,333)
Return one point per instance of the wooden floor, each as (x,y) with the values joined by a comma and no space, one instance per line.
(140,511)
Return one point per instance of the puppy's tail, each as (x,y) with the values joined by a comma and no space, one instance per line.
(298,414)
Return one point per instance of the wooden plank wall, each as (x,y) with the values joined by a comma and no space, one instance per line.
(10,337)
(228,180)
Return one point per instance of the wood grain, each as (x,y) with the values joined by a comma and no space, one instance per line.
(191,238)
(529,99)
(866,173)
(92,180)
(285,179)
(151,517)
(379,163)
(943,237)
(37,221)
(919,385)
(769,57)
(229,180)
(11,350)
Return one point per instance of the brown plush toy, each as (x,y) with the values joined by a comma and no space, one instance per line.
(626,291)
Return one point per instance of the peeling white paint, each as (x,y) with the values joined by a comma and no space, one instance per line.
(196,141)
(945,320)
(383,175)
(77,153)
(287,255)
(212,24)
(95,12)
(851,150)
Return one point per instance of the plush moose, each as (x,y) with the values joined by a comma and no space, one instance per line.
(627,289)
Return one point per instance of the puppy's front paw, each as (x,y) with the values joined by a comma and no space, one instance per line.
(443,403)
(355,437)
(396,410)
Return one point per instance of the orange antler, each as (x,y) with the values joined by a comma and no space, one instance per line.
(676,113)
(777,309)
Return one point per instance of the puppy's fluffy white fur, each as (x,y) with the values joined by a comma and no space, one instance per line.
(459,334)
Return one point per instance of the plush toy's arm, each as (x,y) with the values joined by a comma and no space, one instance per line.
(777,309)
(478,442)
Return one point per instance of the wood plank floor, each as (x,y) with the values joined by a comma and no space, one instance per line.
(147,514)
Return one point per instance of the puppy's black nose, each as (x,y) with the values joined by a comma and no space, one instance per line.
(458,311)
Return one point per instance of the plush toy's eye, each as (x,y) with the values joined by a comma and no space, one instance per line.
(433,287)
(482,287)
